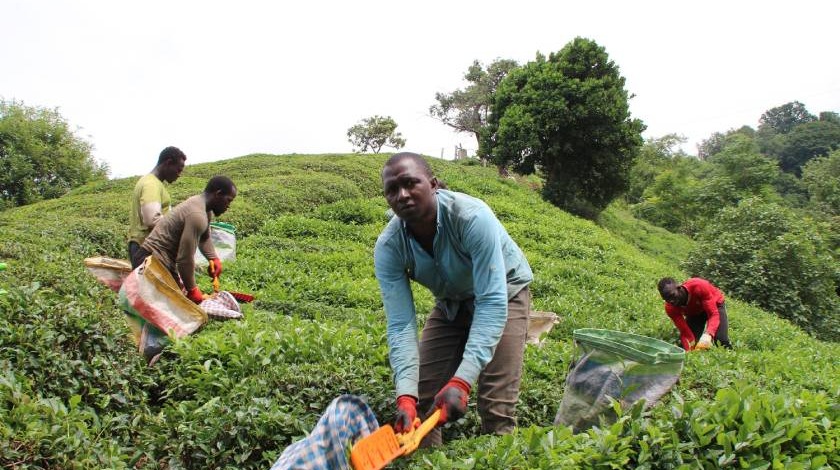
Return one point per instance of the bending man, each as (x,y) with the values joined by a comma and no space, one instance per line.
(453,245)
(698,310)
(174,239)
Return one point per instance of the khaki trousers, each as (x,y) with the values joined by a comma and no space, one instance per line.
(442,348)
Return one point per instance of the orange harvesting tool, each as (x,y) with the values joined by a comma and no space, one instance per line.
(382,446)
(240,296)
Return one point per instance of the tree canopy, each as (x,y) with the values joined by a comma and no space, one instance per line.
(467,109)
(568,117)
(374,133)
(782,119)
(807,141)
(40,156)
(822,178)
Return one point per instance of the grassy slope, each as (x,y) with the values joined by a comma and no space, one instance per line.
(237,393)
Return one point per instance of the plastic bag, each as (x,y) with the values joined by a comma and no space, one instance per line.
(223,236)
(539,324)
(615,365)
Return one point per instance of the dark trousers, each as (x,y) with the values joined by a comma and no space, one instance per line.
(133,249)
(697,324)
(442,348)
(138,254)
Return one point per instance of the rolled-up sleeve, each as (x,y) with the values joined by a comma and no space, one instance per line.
(401,318)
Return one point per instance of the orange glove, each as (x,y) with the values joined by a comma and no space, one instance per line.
(406,414)
(195,295)
(214,268)
(452,400)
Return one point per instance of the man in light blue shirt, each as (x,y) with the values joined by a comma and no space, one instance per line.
(452,244)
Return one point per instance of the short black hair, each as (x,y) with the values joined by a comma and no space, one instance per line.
(398,157)
(171,153)
(664,282)
(220,183)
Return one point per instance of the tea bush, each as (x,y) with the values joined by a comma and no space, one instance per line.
(74,393)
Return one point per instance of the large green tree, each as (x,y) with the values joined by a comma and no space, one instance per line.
(374,133)
(568,117)
(807,141)
(467,109)
(782,119)
(40,155)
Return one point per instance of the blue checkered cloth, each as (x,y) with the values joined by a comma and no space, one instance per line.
(347,419)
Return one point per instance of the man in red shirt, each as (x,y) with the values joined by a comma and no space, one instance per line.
(697,309)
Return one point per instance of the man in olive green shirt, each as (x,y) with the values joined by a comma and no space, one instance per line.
(175,238)
(150,200)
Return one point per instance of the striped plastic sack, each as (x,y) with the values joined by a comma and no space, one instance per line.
(109,271)
(156,309)
(347,419)
(613,365)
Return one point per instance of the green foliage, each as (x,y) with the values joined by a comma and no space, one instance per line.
(74,393)
(782,119)
(794,136)
(737,172)
(687,193)
(792,190)
(374,133)
(567,115)
(747,428)
(669,201)
(763,253)
(467,110)
(40,157)
(717,141)
(822,178)
(808,141)
(654,156)
(649,239)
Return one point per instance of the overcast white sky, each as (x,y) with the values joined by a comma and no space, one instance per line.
(224,79)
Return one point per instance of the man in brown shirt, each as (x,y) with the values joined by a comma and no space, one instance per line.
(175,237)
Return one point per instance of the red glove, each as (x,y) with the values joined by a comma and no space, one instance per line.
(406,414)
(214,269)
(452,400)
(195,295)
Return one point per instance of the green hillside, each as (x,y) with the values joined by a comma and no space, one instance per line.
(75,394)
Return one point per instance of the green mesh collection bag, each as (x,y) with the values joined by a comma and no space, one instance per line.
(615,365)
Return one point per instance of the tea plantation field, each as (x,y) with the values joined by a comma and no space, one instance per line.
(74,394)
